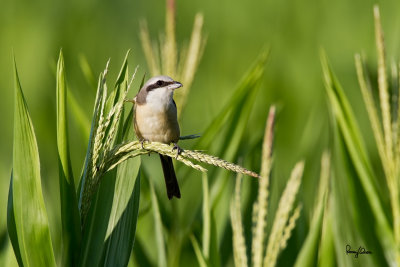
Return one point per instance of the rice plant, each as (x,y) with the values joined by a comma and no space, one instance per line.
(165,57)
(266,253)
(108,160)
(350,139)
(112,211)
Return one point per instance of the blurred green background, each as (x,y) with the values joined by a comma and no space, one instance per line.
(237,32)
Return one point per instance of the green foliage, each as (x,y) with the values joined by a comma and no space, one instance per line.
(108,235)
(354,162)
(70,219)
(355,199)
(26,213)
(349,134)
(100,228)
(307,255)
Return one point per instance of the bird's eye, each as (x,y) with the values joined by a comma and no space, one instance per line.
(159,83)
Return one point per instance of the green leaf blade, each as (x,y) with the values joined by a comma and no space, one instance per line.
(121,230)
(161,252)
(27,204)
(11,226)
(71,230)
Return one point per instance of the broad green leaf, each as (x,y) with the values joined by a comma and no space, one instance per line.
(70,219)
(121,230)
(96,225)
(11,226)
(7,256)
(27,214)
(158,229)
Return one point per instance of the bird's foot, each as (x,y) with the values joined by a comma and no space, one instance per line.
(178,150)
(141,143)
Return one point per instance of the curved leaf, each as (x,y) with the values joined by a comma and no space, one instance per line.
(121,230)
(26,209)
(70,219)
(11,227)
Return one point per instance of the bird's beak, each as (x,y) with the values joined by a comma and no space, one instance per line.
(175,85)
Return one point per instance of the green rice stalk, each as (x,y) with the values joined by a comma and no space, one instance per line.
(287,231)
(148,49)
(382,84)
(372,112)
(117,110)
(276,238)
(162,56)
(206,217)
(169,49)
(100,132)
(134,148)
(261,205)
(200,257)
(306,256)
(239,242)
(190,61)
(84,198)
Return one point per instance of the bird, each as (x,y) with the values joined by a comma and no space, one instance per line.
(155,120)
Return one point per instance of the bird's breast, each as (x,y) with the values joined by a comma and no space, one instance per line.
(155,124)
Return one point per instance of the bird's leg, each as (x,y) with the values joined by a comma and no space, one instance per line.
(178,150)
(141,143)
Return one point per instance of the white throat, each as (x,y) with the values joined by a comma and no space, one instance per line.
(160,98)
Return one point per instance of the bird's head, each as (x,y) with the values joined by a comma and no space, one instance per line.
(158,88)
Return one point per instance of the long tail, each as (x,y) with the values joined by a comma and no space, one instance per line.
(170,178)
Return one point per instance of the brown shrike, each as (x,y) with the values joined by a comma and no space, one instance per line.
(155,119)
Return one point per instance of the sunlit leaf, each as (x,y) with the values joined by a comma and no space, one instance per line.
(121,229)
(158,229)
(70,219)
(27,216)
